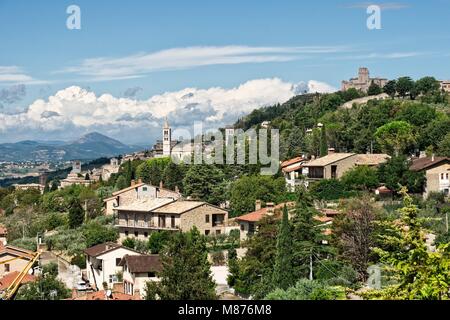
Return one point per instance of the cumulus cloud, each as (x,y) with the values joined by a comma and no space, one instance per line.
(75,110)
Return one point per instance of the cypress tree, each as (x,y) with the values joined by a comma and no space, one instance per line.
(54,186)
(76,214)
(283,271)
(186,273)
(323,142)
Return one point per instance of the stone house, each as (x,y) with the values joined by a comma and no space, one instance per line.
(248,223)
(137,191)
(141,217)
(13,258)
(437,172)
(334,165)
(137,270)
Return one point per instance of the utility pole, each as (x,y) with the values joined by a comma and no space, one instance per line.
(310,266)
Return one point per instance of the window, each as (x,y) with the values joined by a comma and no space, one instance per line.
(126,233)
(218,232)
(206,232)
(172,221)
(442,176)
(7,267)
(207,218)
(242,227)
(144,188)
(146,234)
(136,233)
(112,278)
(151,274)
(118,261)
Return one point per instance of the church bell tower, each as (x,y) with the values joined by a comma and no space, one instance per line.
(167,138)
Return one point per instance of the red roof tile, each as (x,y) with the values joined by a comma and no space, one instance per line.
(323,219)
(257,215)
(427,162)
(101,295)
(6,281)
(291,161)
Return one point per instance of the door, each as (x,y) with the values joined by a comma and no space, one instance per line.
(333,172)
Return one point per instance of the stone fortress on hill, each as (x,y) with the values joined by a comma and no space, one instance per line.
(363,81)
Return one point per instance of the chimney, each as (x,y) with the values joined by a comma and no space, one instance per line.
(133,182)
(257,205)
(331,150)
(270,208)
(161,185)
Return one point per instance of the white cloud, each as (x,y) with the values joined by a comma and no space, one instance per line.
(138,65)
(376,55)
(75,110)
(15,75)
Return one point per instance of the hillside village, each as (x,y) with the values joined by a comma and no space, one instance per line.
(359,170)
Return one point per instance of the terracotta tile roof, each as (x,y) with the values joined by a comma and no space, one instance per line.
(427,162)
(323,219)
(101,295)
(6,281)
(142,263)
(291,161)
(384,190)
(329,212)
(101,248)
(137,185)
(293,168)
(16,251)
(328,159)
(257,215)
(371,159)
(145,205)
(181,206)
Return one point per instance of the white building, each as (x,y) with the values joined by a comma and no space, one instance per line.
(102,263)
(137,270)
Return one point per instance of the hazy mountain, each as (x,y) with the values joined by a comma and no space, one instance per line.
(90,146)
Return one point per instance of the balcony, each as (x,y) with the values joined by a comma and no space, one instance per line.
(143,225)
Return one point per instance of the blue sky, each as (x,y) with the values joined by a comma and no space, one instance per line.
(155,47)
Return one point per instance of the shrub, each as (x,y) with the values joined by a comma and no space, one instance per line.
(329,189)
(218,258)
(79,260)
(129,243)
(308,290)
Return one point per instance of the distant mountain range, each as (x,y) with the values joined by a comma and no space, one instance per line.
(90,146)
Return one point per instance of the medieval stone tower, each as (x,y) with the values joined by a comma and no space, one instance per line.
(363,75)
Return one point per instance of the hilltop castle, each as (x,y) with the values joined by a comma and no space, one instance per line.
(363,81)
